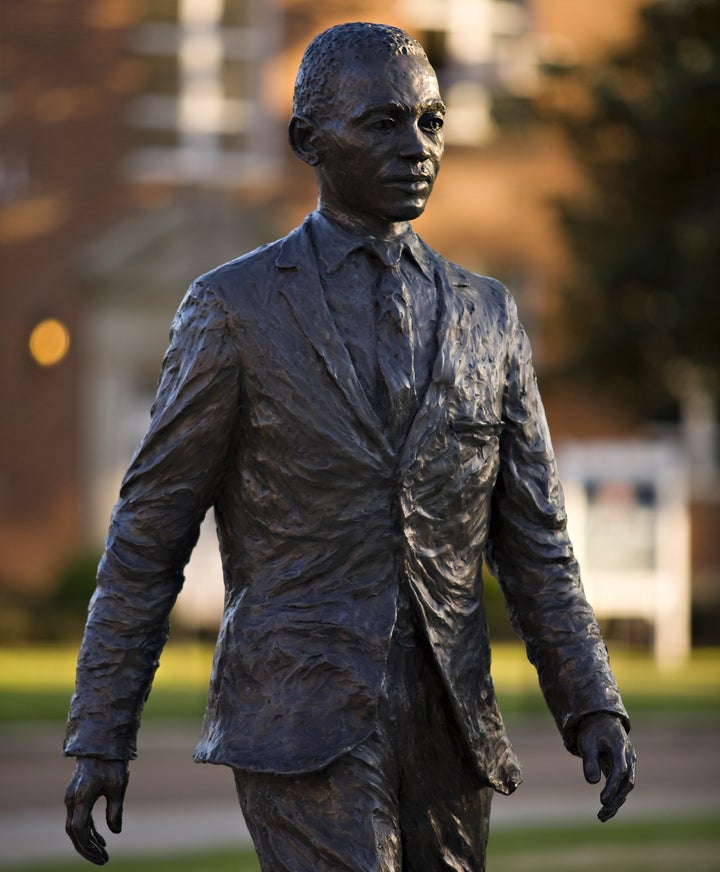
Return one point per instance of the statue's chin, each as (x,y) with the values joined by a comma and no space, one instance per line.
(407,212)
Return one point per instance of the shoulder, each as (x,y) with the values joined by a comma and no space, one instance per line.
(245,282)
(492,291)
(485,292)
(254,266)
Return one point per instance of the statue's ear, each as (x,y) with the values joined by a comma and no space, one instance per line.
(304,140)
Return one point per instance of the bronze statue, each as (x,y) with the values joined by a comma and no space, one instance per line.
(363,416)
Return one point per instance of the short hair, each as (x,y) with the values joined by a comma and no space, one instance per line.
(330,51)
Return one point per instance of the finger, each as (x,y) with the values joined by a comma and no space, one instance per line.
(99,855)
(88,842)
(114,813)
(615,771)
(611,808)
(81,828)
(621,772)
(115,800)
(591,768)
(613,799)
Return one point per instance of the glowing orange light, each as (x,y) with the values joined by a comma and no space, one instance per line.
(49,342)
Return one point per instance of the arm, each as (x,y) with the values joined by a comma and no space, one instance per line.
(531,554)
(173,478)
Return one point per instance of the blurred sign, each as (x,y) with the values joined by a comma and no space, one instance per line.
(620,525)
(628,520)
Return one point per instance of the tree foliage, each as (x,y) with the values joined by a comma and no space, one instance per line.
(644,300)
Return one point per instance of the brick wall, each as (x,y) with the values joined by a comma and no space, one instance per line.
(66,79)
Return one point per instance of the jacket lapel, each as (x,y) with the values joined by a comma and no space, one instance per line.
(452,340)
(300,286)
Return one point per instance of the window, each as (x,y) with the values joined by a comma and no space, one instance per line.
(200,117)
(484,54)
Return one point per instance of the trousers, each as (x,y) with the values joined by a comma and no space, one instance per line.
(407,799)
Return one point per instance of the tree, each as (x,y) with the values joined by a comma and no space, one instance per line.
(643,302)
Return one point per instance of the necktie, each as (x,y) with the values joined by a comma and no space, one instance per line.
(395,332)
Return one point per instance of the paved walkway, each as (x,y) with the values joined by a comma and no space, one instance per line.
(174,805)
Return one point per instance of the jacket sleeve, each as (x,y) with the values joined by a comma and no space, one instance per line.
(172,480)
(531,554)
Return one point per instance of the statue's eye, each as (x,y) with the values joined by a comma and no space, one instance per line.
(433,123)
(383,124)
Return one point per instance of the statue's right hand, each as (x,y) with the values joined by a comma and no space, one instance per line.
(92,779)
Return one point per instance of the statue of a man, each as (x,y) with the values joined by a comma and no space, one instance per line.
(364,418)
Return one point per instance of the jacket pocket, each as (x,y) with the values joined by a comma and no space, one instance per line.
(475,431)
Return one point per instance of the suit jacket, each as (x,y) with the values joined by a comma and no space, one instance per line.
(260,413)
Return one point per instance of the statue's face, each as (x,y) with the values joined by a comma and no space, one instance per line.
(379,151)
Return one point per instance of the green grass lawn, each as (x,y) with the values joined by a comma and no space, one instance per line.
(36,682)
(660,846)
(663,846)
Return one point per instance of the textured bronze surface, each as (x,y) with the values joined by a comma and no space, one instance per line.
(329,517)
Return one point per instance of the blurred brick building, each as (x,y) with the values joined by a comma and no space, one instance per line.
(66,80)
(143,143)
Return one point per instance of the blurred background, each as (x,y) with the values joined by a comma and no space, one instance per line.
(143,143)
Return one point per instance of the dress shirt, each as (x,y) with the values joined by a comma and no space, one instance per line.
(350,277)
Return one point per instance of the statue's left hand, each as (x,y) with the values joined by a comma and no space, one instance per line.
(92,779)
(606,750)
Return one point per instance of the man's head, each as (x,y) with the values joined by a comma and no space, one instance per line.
(368,117)
(338,48)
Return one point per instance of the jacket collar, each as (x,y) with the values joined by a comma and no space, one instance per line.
(337,242)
